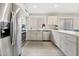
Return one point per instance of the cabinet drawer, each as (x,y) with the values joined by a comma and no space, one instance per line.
(71,38)
(39,35)
(69,48)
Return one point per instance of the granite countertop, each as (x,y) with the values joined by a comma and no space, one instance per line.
(38,29)
(69,32)
(75,33)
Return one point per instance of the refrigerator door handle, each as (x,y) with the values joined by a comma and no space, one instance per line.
(11,33)
(12,30)
(13,27)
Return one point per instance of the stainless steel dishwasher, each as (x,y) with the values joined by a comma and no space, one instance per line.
(45,35)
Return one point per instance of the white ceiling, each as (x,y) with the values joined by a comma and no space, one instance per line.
(49,7)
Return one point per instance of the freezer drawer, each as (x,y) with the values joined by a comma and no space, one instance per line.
(6,47)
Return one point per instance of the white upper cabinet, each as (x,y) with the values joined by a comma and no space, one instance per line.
(52,20)
(76,24)
(36,22)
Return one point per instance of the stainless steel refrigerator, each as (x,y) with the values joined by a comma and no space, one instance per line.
(5,43)
(10,30)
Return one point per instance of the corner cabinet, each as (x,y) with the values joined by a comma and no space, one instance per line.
(67,43)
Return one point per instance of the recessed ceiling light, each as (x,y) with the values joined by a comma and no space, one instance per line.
(35,6)
(55,5)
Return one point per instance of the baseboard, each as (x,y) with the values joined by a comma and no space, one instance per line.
(39,40)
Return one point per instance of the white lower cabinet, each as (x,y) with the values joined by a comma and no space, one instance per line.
(39,35)
(67,45)
(28,35)
(33,35)
(66,42)
(69,48)
(56,37)
(70,45)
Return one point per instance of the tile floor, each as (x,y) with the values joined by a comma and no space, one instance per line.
(36,48)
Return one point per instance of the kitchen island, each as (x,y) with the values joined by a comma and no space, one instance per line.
(66,41)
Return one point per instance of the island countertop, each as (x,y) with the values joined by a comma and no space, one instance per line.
(75,33)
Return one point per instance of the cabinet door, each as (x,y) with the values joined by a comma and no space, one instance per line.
(62,38)
(52,20)
(40,22)
(70,44)
(33,35)
(28,35)
(37,21)
(56,38)
(33,23)
(39,35)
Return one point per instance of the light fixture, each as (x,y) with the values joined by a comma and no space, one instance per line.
(55,5)
(35,6)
